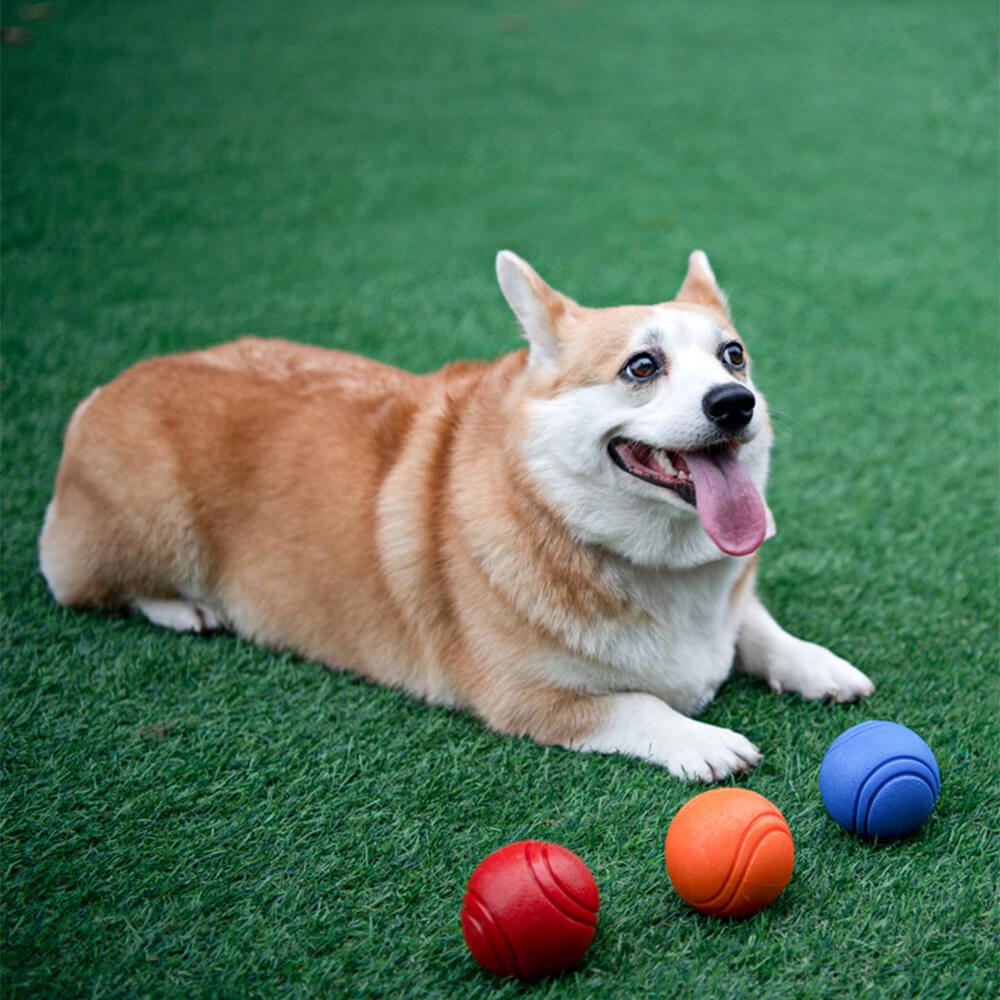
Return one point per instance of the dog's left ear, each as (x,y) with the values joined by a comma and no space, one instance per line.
(700,286)
(539,308)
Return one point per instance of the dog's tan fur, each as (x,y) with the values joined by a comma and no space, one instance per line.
(391,524)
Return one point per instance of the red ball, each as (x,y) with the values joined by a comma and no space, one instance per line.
(530,910)
(729,852)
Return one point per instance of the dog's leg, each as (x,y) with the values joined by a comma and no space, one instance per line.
(180,615)
(764,649)
(641,725)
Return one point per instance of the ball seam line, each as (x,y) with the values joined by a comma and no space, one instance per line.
(490,923)
(742,858)
(582,903)
(864,800)
(548,893)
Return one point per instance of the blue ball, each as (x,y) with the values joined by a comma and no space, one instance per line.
(879,779)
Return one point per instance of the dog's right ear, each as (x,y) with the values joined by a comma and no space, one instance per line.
(538,308)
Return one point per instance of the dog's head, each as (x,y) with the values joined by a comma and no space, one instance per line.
(643,427)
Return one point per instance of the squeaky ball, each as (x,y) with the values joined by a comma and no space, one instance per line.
(530,910)
(729,852)
(879,779)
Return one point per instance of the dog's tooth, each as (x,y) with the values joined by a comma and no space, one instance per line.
(664,459)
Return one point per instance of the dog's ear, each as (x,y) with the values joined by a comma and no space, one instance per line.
(700,286)
(539,308)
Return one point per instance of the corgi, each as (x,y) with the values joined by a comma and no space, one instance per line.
(563,541)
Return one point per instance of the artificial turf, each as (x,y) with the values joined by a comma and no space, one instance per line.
(198,817)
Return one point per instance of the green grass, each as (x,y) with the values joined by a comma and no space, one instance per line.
(186,817)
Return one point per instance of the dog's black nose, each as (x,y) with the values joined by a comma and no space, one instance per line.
(729,406)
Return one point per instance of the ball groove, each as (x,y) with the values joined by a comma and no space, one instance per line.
(749,847)
(487,931)
(867,795)
(540,866)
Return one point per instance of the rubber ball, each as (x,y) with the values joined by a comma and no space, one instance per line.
(729,852)
(530,910)
(880,780)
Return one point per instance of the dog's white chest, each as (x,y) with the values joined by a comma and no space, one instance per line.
(682,646)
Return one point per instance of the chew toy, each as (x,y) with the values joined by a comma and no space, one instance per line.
(729,852)
(530,910)
(880,780)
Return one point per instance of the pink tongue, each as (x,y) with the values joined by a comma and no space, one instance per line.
(731,510)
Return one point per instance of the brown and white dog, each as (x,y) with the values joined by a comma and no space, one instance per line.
(562,540)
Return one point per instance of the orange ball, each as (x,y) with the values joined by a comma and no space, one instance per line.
(729,852)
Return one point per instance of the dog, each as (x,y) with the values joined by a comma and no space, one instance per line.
(563,540)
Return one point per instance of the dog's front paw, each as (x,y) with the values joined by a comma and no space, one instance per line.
(643,726)
(816,673)
(710,753)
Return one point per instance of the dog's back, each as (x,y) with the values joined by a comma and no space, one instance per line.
(243,480)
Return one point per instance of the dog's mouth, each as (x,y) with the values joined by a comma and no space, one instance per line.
(655,465)
(714,481)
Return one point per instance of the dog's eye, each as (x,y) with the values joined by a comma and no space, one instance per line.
(642,367)
(733,355)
